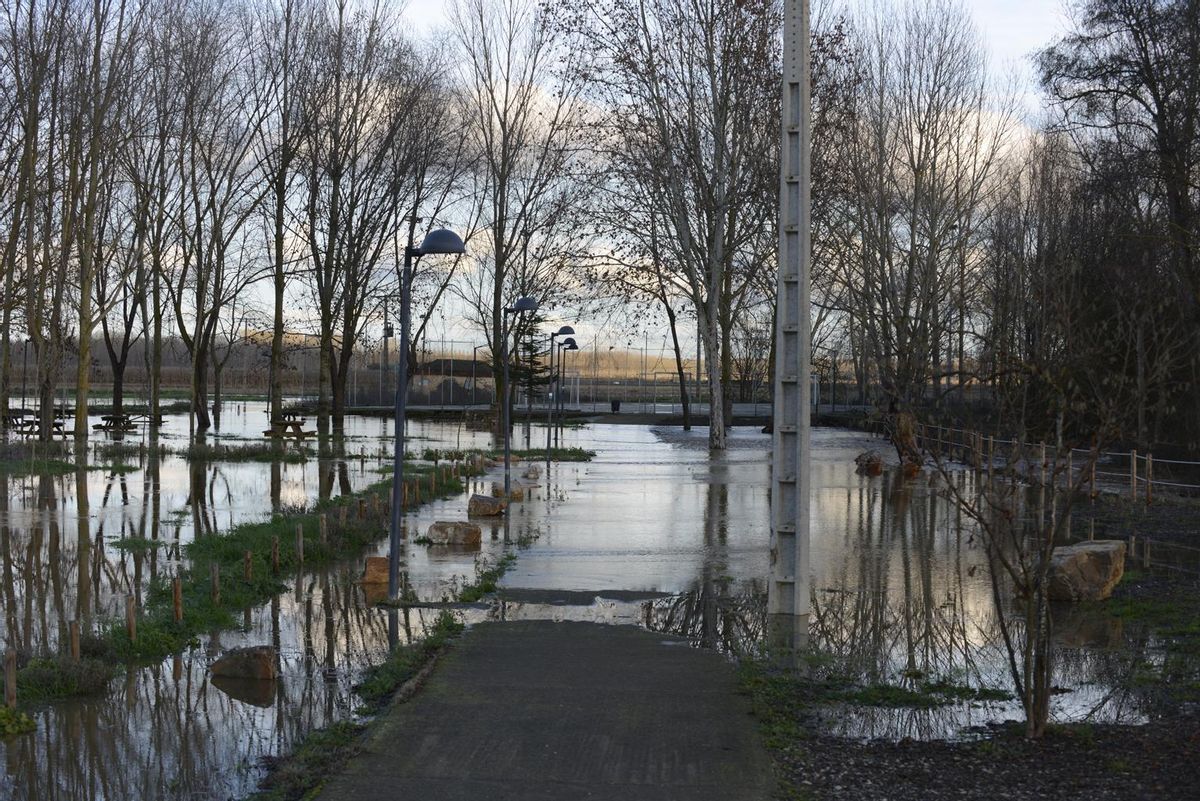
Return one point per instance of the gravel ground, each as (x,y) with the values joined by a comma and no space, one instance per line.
(1160,760)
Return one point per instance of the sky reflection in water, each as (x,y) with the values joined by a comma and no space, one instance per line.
(899,588)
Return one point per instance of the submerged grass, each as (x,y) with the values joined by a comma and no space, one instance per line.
(159,634)
(250,452)
(45,678)
(786,702)
(437,455)
(487,578)
(14,721)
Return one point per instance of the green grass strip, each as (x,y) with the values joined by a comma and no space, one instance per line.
(323,751)
(159,635)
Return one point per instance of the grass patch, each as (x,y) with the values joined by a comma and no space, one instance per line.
(323,751)
(486,579)
(437,455)
(36,467)
(381,681)
(137,544)
(159,634)
(60,677)
(786,703)
(14,722)
(556,454)
(250,452)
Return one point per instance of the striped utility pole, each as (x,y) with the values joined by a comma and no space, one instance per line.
(788,591)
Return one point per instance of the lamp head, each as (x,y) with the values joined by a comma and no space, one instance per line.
(524,305)
(442,240)
(566,330)
(569,343)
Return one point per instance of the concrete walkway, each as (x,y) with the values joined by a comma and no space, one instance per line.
(542,711)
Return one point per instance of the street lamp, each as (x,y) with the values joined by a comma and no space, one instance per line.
(521,306)
(474,361)
(24,373)
(437,241)
(566,330)
(566,344)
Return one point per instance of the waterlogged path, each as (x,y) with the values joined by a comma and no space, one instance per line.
(566,711)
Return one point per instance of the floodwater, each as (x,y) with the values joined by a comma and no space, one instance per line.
(653,532)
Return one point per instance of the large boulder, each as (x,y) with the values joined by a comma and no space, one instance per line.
(484,506)
(257,662)
(376,570)
(515,492)
(444,532)
(870,463)
(1086,571)
(248,691)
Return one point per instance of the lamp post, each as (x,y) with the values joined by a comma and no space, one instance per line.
(388,333)
(566,344)
(437,241)
(24,372)
(474,361)
(522,305)
(566,330)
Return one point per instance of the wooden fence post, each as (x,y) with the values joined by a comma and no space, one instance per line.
(248,566)
(275,554)
(300,543)
(1133,493)
(10,678)
(177,597)
(324,524)
(73,627)
(342,517)
(1149,480)
(131,617)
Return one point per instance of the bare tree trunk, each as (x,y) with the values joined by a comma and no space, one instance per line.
(683,390)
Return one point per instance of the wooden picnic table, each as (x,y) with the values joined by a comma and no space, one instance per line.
(115,422)
(285,427)
(28,425)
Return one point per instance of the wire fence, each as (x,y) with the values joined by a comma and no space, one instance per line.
(1140,476)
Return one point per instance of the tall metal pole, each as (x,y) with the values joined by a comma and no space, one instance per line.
(550,405)
(504,408)
(788,589)
(400,408)
(383,368)
(475,361)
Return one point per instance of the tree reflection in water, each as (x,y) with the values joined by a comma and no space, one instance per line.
(901,596)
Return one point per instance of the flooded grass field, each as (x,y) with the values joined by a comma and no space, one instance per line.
(652,532)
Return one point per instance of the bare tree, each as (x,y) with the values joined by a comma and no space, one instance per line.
(690,129)
(523,111)
(221,187)
(928,140)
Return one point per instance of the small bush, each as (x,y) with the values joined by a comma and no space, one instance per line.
(59,677)
(14,721)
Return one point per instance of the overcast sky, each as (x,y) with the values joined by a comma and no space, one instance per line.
(1012,29)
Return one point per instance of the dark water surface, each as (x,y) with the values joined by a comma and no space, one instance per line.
(900,590)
